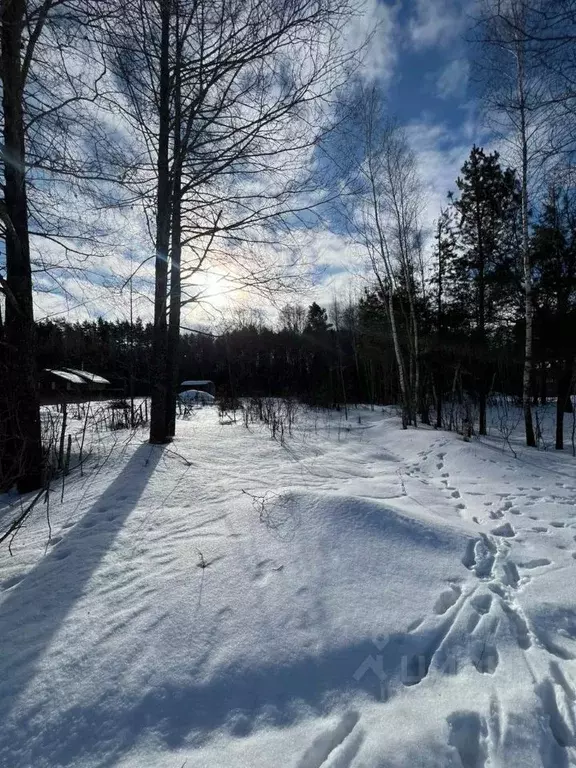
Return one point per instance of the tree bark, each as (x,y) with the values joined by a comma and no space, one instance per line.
(158,431)
(563,396)
(481,316)
(529,309)
(173,351)
(22,457)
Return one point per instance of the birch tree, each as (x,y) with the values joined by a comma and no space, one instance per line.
(387,200)
(516,95)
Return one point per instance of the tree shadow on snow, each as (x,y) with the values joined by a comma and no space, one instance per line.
(240,700)
(37,607)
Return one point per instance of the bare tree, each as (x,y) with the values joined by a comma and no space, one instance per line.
(517,96)
(240,87)
(386,197)
(20,419)
(46,124)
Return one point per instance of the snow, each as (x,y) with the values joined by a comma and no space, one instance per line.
(87,376)
(74,378)
(353,596)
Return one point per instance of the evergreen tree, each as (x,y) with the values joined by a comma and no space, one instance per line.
(488,209)
(554,260)
(317,320)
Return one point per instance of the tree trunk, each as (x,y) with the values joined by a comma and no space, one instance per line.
(529,309)
(158,431)
(564,386)
(406,399)
(173,351)
(21,433)
(439,389)
(481,320)
(440,329)
(543,383)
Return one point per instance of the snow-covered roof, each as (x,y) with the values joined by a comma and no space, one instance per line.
(67,376)
(195,383)
(93,377)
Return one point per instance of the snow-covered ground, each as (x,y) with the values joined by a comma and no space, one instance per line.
(356,596)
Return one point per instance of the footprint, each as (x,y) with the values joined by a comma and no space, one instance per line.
(538,562)
(484,654)
(560,679)
(455,494)
(61,554)
(468,733)
(504,530)
(519,625)
(558,524)
(264,570)
(560,729)
(324,744)
(447,599)
(10,582)
(481,603)
(539,528)
(510,576)
(479,556)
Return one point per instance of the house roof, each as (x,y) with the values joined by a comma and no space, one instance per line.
(87,376)
(67,376)
(194,383)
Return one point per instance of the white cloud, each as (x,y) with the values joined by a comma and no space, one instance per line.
(436,23)
(376,23)
(453,80)
(440,157)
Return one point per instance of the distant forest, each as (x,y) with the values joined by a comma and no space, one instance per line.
(468,307)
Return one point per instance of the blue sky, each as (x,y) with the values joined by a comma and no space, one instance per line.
(420,56)
(429,83)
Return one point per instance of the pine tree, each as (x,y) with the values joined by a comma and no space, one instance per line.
(444,255)
(554,258)
(317,320)
(487,210)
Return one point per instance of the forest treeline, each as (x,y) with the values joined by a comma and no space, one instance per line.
(468,305)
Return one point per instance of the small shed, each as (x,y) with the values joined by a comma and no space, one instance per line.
(204,385)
